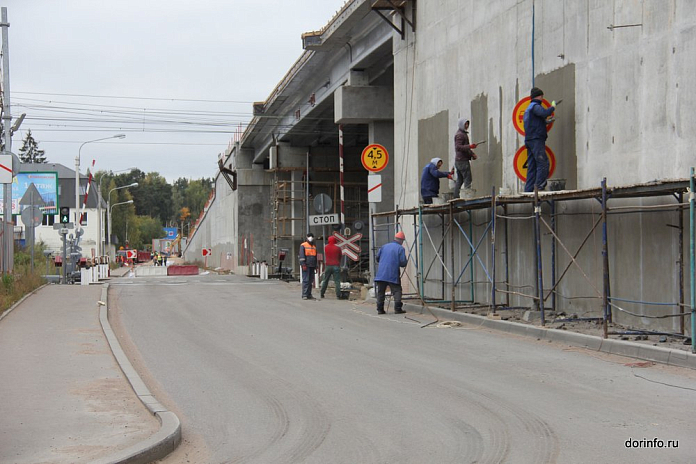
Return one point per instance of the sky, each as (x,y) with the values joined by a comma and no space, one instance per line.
(177,77)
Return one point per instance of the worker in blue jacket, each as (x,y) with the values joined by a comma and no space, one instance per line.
(535,135)
(391,257)
(430,180)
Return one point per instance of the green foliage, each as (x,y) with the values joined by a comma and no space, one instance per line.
(13,287)
(30,153)
(149,228)
(155,204)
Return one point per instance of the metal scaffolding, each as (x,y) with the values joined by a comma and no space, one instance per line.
(437,229)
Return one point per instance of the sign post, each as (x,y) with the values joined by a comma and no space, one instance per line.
(206,252)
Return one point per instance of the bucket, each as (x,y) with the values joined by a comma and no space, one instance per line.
(556,184)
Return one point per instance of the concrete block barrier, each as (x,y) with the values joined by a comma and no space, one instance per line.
(143,271)
(182,270)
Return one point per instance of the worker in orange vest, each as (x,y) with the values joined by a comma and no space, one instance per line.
(308,263)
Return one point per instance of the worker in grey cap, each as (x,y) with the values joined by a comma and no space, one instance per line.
(535,140)
(463,154)
(430,180)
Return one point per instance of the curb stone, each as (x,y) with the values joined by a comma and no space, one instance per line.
(672,357)
(164,441)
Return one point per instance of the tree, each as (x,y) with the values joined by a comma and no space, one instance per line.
(30,153)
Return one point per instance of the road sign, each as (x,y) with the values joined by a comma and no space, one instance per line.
(32,197)
(322,203)
(5,168)
(324,219)
(520,162)
(131,254)
(206,251)
(374,157)
(374,188)
(350,246)
(32,216)
(518,114)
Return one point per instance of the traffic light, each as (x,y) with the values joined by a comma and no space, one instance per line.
(64,215)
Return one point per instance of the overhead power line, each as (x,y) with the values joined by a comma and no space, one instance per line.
(133,98)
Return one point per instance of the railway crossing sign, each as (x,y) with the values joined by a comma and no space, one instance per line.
(350,246)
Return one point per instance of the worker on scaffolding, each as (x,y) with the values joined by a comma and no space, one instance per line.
(391,258)
(535,141)
(463,155)
(430,180)
(308,263)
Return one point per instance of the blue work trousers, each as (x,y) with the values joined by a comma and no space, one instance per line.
(307,281)
(537,165)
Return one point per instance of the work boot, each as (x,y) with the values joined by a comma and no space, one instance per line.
(380,310)
(398,309)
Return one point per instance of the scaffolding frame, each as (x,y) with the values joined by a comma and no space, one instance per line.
(285,193)
(449,226)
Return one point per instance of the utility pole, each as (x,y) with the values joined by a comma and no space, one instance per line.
(8,235)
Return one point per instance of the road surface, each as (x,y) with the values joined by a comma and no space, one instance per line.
(258,375)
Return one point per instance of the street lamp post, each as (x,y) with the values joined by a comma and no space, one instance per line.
(77,175)
(109,207)
(100,246)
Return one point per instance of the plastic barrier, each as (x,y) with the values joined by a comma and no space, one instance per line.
(85,276)
(177,270)
(142,271)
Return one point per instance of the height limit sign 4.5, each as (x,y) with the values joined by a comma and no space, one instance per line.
(375,157)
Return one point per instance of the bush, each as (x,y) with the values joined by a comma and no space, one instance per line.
(23,280)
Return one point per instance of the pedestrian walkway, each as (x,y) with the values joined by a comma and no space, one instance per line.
(64,398)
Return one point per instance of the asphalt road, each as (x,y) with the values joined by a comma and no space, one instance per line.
(258,375)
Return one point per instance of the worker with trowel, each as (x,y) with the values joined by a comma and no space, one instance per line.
(535,141)
(463,154)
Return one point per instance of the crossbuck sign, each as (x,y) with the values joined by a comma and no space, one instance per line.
(350,246)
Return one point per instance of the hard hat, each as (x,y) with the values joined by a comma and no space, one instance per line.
(400,235)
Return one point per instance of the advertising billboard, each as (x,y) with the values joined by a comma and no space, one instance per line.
(45,182)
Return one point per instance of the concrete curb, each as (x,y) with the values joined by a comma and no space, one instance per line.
(168,437)
(668,356)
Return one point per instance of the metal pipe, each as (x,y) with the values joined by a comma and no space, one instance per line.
(471,254)
(691,257)
(451,219)
(420,249)
(649,303)
(507,261)
(493,221)
(540,274)
(553,254)
(442,251)
(605,259)
(680,198)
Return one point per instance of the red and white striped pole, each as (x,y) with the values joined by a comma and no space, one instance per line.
(84,203)
(340,167)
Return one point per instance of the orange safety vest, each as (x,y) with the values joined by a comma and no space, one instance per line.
(310,254)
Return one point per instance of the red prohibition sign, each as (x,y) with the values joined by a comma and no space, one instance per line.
(374,157)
